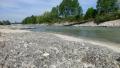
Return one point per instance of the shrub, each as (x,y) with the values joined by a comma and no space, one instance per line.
(5,22)
(106,17)
(90,14)
(117,15)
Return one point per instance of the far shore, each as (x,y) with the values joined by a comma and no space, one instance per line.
(114,23)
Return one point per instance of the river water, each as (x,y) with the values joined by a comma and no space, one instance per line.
(105,34)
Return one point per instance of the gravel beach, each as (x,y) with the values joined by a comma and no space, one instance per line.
(46,50)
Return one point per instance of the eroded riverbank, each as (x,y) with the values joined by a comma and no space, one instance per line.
(46,50)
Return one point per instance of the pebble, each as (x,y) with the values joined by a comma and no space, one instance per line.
(48,51)
(46,54)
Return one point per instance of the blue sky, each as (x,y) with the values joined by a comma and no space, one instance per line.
(17,10)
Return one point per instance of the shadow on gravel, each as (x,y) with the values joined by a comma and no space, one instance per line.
(118,60)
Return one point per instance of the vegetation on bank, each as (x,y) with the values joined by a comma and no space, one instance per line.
(71,11)
(5,22)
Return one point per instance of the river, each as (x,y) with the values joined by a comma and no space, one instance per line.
(104,34)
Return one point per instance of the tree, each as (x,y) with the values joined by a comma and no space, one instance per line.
(45,18)
(5,22)
(30,20)
(106,6)
(1,23)
(118,4)
(54,12)
(70,8)
(91,13)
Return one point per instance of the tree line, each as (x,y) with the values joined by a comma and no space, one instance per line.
(71,11)
(5,22)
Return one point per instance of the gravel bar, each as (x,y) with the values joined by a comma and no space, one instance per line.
(45,50)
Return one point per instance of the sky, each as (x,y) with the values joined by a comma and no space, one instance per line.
(17,10)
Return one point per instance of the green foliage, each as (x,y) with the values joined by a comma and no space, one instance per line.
(107,17)
(117,14)
(5,22)
(54,13)
(73,19)
(71,11)
(47,17)
(107,11)
(106,6)
(70,8)
(101,18)
(29,20)
(1,23)
(90,14)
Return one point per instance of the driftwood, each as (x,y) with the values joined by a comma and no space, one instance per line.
(71,24)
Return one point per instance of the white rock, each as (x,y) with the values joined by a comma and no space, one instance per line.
(46,54)
(83,44)
(52,66)
(86,65)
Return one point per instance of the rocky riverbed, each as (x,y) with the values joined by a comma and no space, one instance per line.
(45,50)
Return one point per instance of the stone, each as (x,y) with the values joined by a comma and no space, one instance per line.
(118,59)
(2,44)
(46,54)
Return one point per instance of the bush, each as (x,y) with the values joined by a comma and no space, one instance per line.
(76,18)
(5,22)
(117,14)
(1,23)
(90,14)
(106,17)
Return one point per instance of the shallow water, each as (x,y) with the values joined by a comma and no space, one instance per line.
(106,34)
